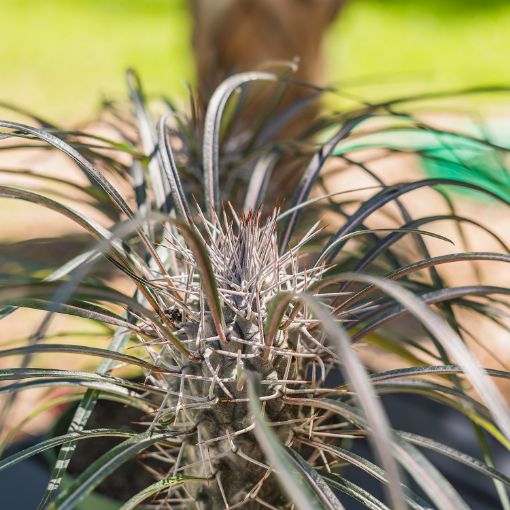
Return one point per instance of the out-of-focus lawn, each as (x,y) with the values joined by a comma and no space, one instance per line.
(421,45)
(59,57)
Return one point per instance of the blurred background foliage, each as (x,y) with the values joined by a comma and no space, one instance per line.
(59,57)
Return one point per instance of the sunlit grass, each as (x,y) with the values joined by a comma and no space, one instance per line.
(396,46)
(61,56)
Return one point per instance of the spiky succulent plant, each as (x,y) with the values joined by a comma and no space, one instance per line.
(246,308)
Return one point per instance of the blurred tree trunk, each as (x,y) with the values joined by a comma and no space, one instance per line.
(232,36)
(241,35)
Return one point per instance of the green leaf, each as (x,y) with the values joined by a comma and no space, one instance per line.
(119,257)
(74,377)
(434,297)
(100,469)
(87,311)
(259,181)
(72,380)
(315,480)
(388,195)
(57,441)
(40,293)
(156,487)
(357,233)
(354,491)
(148,138)
(451,343)
(423,264)
(313,170)
(84,164)
(80,419)
(429,478)
(431,370)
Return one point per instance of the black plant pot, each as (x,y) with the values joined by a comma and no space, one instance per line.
(22,486)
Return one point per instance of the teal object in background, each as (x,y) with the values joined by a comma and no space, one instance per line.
(469,161)
(461,157)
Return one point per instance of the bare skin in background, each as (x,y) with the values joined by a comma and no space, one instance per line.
(238,35)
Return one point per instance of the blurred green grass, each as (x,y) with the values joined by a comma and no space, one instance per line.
(421,45)
(59,57)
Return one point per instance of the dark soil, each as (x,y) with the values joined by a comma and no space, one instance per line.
(128,479)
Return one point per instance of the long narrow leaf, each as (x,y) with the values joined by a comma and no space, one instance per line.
(212,124)
(167,163)
(208,279)
(357,375)
(157,487)
(354,491)
(425,474)
(84,164)
(294,482)
(80,419)
(105,465)
(85,350)
(452,343)
(47,444)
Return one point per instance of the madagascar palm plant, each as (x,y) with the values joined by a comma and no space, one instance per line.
(243,309)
